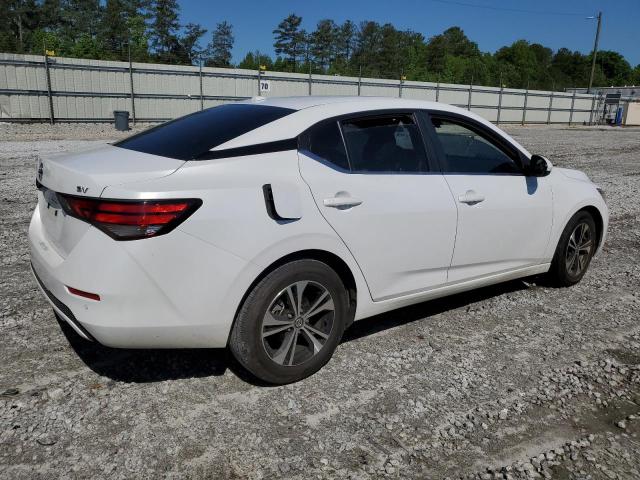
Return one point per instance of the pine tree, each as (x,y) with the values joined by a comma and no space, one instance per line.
(164,30)
(323,43)
(345,40)
(219,49)
(18,20)
(290,40)
(113,31)
(368,46)
(190,51)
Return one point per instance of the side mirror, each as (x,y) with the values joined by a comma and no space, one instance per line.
(538,166)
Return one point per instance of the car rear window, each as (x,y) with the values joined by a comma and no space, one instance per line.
(187,138)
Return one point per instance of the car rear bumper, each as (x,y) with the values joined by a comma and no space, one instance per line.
(173,291)
(61,309)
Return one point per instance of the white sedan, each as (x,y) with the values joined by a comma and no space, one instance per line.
(269,226)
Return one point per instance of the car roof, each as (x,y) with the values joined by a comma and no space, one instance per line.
(311,109)
(309,101)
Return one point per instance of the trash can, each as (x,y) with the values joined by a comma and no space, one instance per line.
(121,118)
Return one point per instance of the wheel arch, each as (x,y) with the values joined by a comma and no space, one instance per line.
(598,219)
(331,259)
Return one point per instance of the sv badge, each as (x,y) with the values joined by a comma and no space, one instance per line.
(81,189)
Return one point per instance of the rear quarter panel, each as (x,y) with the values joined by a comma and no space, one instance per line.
(234,219)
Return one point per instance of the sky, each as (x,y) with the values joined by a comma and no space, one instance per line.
(553,23)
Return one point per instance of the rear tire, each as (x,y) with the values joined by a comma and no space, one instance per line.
(574,251)
(291,322)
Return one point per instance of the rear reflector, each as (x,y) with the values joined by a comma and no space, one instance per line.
(130,219)
(80,293)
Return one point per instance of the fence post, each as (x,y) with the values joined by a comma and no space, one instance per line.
(359,79)
(470,92)
(133,101)
(48,75)
(310,79)
(524,108)
(400,84)
(499,101)
(259,74)
(593,104)
(438,90)
(573,102)
(201,90)
(549,111)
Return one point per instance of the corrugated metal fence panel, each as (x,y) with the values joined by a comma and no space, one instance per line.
(91,90)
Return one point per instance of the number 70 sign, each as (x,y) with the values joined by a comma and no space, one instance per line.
(265,86)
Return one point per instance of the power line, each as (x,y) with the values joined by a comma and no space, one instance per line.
(507,9)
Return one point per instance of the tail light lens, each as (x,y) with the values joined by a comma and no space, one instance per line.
(130,219)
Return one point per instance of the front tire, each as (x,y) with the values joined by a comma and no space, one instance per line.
(291,322)
(574,251)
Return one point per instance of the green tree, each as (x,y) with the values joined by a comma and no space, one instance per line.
(345,40)
(368,46)
(452,42)
(219,49)
(570,68)
(18,20)
(323,43)
(188,49)
(138,36)
(523,62)
(164,31)
(615,68)
(113,31)
(635,76)
(290,40)
(253,61)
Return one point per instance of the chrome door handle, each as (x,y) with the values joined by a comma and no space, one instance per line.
(341,202)
(471,198)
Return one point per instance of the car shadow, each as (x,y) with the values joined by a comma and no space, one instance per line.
(156,365)
(146,365)
(421,311)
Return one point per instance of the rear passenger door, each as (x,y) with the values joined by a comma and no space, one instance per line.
(371,179)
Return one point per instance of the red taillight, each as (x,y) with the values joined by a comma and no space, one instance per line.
(130,219)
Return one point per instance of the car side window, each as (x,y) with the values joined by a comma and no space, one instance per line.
(389,143)
(325,141)
(466,150)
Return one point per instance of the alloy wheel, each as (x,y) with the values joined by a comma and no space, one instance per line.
(298,323)
(579,249)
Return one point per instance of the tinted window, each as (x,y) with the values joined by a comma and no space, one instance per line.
(188,137)
(326,142)
(467,151)
(390,143)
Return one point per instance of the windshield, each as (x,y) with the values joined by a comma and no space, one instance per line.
(186,138)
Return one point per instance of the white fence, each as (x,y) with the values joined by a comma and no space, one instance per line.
(34,89)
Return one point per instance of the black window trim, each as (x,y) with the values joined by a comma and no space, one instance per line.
(253,149)
(432,165)
(497,140)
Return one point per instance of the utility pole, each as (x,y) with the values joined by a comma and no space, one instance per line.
(595,51)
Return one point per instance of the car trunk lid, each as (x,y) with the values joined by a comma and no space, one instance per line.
(87,174)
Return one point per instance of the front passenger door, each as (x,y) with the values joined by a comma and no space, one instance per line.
(504,217)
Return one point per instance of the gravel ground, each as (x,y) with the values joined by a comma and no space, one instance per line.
(512,381)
